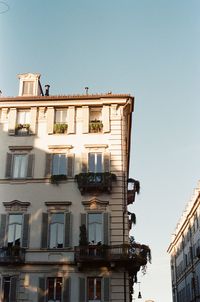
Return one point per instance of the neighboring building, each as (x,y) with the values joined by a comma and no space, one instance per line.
(185,253)
(64,225)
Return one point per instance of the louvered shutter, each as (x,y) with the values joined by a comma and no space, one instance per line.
(9,158)
(106,289)
(12,117)
(2,229)
(82,290)
(67,229)
(48,165)
(106,118)
(83,219)
(66,290)
(71,119)
(44,230)
(70,165)
(13,289)
(85,119)
(84,162)
(50,120)
(25,234)
(41,290)
(106,228)
(106,161)
(30,165)
(33,120)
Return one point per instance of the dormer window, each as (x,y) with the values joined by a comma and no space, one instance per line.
(30,84)
(28,88)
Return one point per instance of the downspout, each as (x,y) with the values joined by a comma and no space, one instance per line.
(125,183)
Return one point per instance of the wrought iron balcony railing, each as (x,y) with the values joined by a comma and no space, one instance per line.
(90,181)
(126,254)
(12,255)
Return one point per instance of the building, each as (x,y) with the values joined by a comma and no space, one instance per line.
(64,225)
(184,250)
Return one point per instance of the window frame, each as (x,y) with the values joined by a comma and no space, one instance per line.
(94,289)
(62,157)
(61,120)
(19,170)
(28,88)
(50,231)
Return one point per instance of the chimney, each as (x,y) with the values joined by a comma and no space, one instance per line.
(47,89)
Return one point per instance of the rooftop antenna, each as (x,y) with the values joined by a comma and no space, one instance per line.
(86,90)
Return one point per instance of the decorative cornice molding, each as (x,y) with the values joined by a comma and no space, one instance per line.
(16,205)
(95,204)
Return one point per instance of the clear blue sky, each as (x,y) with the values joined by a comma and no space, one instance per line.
(148,48)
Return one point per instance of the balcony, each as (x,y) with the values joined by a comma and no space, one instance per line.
(91,182)
(12,255)
(130,257)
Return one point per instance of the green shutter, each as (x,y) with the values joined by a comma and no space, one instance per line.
(2,229)
(70,164)
(84,162)
(106,289)
(41,290)
(30,165)
(48,164)
(13,289)
(82,289)
(25,231)
(66,290)
(106,228)
(107,162)
(67,229)
(44,230)
(8,173)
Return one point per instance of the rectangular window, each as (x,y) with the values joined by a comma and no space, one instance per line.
(95,114)
(94,289)
(20,164)
(95,162)
(95,228)
(9,289)
(56,230)
(14,230)
(54,289)
(28,88)
(61,116)
(23,117)
(59,164)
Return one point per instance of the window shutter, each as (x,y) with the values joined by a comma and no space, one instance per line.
(107,162)
(13,289)
(12,117)
(48,164)
(2,229)
(106,118)
(71,119)
(41,290)
(44,230)
(1,289)
(84,162)
(106,228)
(8,173)
(66,290)
(25,231)
(67,229)
(82,289)
(30,165)
(106,289)
(70,164)
(50,120)
(83,219)
(85,119)
(33,120)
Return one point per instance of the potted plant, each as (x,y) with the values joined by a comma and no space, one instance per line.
(95,126)
(60,128)
(56,178)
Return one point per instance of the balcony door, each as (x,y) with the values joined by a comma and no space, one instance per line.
(94,290)
(95,228)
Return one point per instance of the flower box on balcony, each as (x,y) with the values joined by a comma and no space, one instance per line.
(95,126)
(90,181)
(22,129)
(60,128)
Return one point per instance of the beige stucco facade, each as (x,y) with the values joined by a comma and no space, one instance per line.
(31,193)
